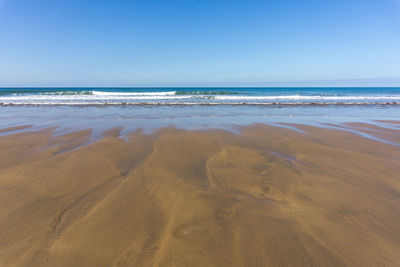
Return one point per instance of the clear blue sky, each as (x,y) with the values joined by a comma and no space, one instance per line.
(199,42)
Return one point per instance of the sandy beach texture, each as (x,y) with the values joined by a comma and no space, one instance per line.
(268,196)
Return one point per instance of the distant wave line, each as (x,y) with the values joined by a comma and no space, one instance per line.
(170,96)
(89,97)
(167,93)
(302,97)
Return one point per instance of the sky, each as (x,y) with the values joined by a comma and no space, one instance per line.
(199,43)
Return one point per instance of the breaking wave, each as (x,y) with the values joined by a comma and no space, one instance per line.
(92,96)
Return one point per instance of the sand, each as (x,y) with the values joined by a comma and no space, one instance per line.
(268,196)
(387,134)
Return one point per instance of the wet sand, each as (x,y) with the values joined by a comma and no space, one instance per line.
(268,196)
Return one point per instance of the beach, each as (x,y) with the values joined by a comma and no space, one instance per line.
(287,194)
(199,133)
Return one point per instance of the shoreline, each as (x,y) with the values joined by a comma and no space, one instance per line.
(382,131)
(267,104)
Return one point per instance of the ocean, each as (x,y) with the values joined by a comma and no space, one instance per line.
(201,96)
(228,108)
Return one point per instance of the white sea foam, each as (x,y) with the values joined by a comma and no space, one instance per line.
(171,98)
(100,93)
(155,103)
(90,97)
(302,97)
(169,95)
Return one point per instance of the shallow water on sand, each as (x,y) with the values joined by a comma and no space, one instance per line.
(149,118)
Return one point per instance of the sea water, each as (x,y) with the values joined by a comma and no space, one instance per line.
(200,96)
(193,108)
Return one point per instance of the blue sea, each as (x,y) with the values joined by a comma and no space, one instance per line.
(200,96)
(229,108)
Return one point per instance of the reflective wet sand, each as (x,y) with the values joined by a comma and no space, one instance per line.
(267,196)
